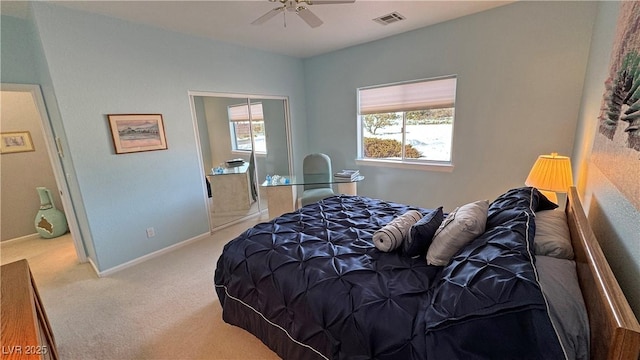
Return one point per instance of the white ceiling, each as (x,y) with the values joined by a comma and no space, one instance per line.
(230,21)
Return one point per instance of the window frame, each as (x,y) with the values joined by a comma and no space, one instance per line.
(232,130)
(406,163)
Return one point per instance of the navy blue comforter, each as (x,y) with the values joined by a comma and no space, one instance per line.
(311,284)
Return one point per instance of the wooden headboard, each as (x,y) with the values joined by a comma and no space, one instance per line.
(615,332)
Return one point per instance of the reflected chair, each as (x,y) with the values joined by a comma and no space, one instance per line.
(316,169)
(252,175)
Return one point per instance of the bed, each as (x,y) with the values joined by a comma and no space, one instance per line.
(314,284)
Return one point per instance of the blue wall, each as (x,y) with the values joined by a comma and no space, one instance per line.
(99,66)
(18,54)
(614,219)
(520,72)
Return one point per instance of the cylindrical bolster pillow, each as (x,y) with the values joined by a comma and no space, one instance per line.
(390,236)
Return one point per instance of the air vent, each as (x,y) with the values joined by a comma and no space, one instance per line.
(389,18)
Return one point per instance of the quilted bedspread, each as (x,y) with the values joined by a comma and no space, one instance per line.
(311,284)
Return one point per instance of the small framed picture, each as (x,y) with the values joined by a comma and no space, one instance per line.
(15,142)
(137,132)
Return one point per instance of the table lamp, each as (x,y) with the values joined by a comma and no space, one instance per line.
(551,174)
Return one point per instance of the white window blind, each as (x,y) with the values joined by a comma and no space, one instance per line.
(432,94)
(241,112)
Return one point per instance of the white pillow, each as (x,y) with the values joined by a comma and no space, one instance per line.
(390,237)
(460,227)
(552,235)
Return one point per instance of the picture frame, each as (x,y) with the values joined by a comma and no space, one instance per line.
(137,132)
(16,142)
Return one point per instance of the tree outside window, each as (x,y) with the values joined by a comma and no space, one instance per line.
(419,126)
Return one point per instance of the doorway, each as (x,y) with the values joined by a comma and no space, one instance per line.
(253,130)
(25,111)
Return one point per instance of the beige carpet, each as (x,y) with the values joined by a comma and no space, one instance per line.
(164,308)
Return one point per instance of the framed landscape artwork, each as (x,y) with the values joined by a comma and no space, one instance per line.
(15,142)
(137,132)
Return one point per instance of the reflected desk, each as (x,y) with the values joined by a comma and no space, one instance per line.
(282,196)
(231,189)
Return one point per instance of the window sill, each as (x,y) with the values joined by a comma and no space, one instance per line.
(248,152)
(438,167)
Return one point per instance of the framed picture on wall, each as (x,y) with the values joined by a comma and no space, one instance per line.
(616,146)
(15,142)
(137,132)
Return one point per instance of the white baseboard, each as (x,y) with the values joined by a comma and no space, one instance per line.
(21,238)
(243,219)
(150,256)
(93,265)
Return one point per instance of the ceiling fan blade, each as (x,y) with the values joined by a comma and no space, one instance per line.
(310,18)
(262,19)
(323,2)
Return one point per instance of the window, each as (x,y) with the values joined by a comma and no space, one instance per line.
(244,125)
(409,122)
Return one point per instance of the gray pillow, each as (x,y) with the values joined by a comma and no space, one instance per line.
(559,284)
(422,233)
(460,227)
(391,236)
(552,235)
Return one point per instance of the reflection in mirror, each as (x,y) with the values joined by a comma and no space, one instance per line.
(243,138)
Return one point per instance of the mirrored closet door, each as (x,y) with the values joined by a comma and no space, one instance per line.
(242,139)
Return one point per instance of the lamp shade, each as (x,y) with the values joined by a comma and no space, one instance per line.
(551,173)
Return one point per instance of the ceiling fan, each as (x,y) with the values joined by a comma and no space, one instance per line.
(298,6)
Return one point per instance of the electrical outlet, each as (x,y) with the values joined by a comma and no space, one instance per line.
(151,232)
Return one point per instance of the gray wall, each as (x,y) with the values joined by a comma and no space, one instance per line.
(203,133)
(23,172)
(218,125)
